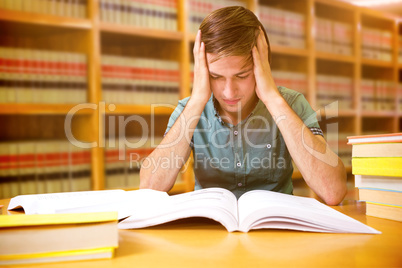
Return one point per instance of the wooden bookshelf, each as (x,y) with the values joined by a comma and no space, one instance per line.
(94,38)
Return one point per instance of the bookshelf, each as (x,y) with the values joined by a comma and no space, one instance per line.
(300,61)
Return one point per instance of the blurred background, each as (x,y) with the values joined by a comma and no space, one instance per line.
(123,56)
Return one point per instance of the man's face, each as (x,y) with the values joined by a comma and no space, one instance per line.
(233,85)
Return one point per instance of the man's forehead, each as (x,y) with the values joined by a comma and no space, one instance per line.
(233,63)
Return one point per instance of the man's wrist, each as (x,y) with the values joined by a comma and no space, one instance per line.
(274,100)
(197,103)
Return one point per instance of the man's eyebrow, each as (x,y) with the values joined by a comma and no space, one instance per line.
(240,73)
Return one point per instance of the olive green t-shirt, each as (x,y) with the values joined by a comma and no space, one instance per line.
(251,155)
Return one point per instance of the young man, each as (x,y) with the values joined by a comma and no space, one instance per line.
(242,128)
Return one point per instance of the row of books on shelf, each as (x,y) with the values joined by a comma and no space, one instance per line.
(333,36)
(400,50)
(376,44)
(122,164)
(377,166)
(41,76)
(156,14)
(139,80)
(293,80)
(377,95)
(68,8)
(28,167)
(400,96)
(199,9)
(332,88)
(285,28)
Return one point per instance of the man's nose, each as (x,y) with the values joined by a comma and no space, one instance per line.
(230,89)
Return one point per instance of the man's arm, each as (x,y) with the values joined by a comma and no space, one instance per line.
(321,168)
(175,146)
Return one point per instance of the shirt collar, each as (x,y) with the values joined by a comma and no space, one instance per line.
(256,109)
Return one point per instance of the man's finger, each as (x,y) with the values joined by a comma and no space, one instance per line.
(256,57)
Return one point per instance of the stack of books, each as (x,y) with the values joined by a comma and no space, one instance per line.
(31,239)
(331,88)
(28,167)
(140,81)
(155,14)
(377,166)
(42,76)
(284,28)
(376,44)
(333,36)
(377,95)
(68,8)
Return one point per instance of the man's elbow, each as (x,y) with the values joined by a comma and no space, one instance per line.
(336,193)
(335,199)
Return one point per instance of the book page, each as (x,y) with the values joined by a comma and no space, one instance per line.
(214,203)
(266,209)
(78,202)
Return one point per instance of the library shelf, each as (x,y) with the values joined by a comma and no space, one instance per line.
(339,4)
(301,52)
(339,113)
(44,20)
(140,109)
(141,32)
(375,14)
(335,57)
(377,63)
(379,114)
(37,109)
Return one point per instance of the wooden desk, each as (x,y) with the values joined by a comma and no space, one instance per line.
(204,243)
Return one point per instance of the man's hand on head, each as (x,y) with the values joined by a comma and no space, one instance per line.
(265,84)
(201,87)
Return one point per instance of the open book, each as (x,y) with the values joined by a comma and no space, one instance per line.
(256,209)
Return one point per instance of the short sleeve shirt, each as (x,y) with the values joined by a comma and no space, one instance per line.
(251,155)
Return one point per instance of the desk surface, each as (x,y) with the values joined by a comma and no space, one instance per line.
(201,242)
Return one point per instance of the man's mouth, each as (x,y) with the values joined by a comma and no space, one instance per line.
(231,101)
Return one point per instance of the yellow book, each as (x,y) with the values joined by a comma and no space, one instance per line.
(51,219)
(57,237)
(72,255)
(377,166)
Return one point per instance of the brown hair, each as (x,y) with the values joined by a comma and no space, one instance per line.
(232,31)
